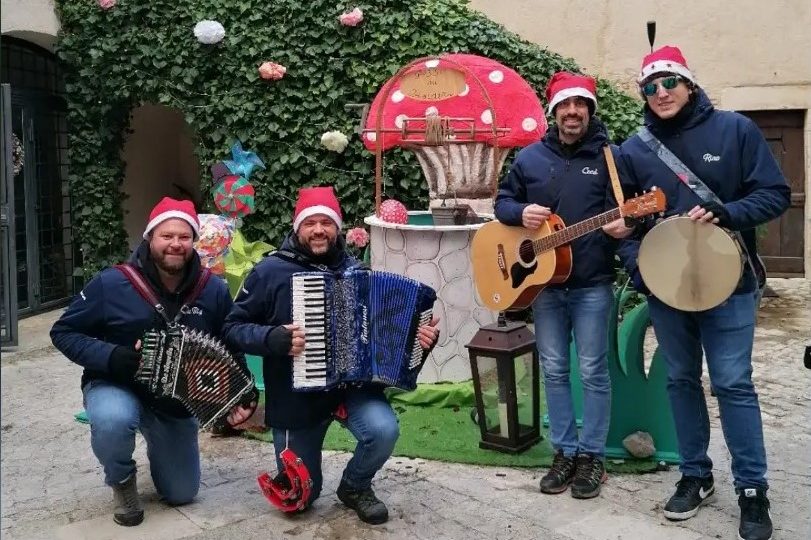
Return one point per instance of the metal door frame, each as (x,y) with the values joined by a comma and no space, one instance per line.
(7,245)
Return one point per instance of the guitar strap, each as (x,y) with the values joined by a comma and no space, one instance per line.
(699,188)
(612,172)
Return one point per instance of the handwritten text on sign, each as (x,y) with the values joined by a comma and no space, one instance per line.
(433,84)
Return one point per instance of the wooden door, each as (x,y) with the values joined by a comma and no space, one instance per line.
(781,243)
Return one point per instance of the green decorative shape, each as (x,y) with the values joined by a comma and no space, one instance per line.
(242,256)
(639,402)
(255,367)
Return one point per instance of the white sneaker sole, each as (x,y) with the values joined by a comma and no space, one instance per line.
(681,516)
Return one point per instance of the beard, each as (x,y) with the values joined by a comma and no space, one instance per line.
(577,131)
(171,265)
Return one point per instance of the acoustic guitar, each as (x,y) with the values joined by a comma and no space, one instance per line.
(511,265)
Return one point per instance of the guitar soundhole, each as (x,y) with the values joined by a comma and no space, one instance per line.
(525,252)
(558,226)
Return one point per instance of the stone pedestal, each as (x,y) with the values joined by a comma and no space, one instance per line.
(438,256)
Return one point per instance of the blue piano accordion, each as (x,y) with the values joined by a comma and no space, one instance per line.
(360,327)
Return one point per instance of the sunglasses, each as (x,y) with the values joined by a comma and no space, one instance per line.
(668,83)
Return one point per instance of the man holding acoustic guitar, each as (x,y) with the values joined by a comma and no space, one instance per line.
(701,265)
(562,179)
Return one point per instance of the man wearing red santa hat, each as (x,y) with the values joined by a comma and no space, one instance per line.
(743,187)
(100,331)
(566,174)
(261,324)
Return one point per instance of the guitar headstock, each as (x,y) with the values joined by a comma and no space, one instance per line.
(650,203)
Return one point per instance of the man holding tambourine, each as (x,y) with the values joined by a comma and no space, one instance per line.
(701,267)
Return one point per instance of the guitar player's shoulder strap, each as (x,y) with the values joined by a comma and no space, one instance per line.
(612,172)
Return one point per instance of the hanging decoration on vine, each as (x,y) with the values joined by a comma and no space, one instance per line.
(17,154)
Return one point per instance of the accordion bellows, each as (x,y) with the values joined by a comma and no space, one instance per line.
(359,327)
(193,368)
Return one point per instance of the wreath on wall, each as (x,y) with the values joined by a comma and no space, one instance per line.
(17,154)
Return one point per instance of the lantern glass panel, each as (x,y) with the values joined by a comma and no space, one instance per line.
(523,389)
(494,395)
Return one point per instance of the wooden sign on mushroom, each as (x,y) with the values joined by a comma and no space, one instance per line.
(460,114)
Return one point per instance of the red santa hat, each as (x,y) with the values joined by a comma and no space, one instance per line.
(170,208)
(317,200)
(665,59)
(564,85)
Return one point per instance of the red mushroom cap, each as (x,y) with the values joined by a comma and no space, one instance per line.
(515,104)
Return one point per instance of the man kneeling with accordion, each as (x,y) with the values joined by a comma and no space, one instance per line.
(145,332)
(332,335)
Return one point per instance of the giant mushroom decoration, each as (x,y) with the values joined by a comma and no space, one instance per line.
(460,114)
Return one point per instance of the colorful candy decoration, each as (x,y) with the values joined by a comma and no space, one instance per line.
(393,211)
(234,196)
(216,232)
(243,162)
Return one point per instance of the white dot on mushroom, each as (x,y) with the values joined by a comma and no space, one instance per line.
(372,136)
(430,64)
(487,116)
(400,120)
(465,91)
(529,124)
(431,111)
(397,96)
(496,76)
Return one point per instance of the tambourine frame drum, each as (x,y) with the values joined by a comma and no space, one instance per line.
(689,265)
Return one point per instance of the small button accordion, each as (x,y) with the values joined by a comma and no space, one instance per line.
(195,369)
(359,327)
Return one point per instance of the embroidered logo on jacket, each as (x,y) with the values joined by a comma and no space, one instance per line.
(194,310)
(586,170)
(709,157)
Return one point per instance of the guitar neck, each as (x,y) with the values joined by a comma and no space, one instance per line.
(567,234)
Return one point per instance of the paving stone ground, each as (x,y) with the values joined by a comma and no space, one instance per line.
(52,487)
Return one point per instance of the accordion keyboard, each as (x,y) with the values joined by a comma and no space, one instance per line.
(310,313)
(359,327)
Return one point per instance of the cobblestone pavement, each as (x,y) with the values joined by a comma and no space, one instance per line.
(52,488)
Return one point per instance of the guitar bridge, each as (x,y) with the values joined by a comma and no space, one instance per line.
(502,262)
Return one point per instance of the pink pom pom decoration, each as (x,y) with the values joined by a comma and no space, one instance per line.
(351,18)
(357,237)
(271,71)
(393,211)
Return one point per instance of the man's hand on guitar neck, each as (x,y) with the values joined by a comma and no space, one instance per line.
(617,229)
(533,215)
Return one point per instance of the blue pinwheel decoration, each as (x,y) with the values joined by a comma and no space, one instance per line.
(243,162)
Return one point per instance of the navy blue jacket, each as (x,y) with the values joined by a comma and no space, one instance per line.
(575,186)
(727,152)
(109,312)
(263,304)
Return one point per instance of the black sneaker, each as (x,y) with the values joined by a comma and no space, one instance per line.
(369,508)
(588,477)
(691,492)
(560,475)
(756,520)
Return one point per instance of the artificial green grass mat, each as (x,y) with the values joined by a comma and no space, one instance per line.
(448,434)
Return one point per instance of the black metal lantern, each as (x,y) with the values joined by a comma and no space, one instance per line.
(504,366)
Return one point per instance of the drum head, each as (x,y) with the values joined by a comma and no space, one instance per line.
(688,265)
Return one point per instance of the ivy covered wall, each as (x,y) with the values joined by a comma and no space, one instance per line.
(135,52)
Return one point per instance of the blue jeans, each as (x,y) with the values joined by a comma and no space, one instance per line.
(372,422)
(115,414)
(726,333)
(585,311)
